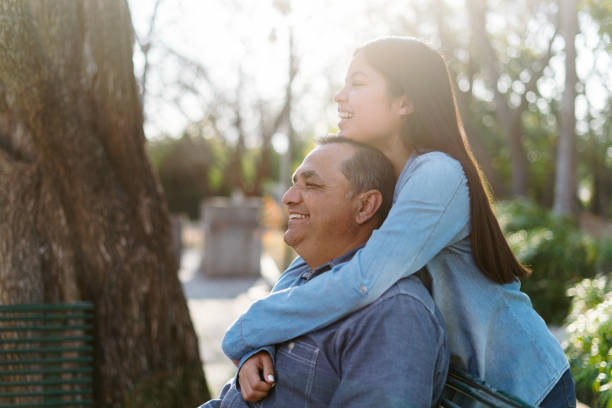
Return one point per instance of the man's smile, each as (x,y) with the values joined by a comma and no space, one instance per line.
(297,216)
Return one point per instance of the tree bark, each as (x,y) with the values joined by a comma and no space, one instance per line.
(565,180)
(82,214)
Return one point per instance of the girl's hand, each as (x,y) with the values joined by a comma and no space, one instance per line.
(256,377)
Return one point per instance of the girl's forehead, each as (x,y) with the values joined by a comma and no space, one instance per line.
(359,62)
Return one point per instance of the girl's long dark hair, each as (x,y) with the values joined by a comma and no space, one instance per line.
(416,70)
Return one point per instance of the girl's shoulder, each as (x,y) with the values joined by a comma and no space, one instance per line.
(435,160)
(432,174)
(433,166)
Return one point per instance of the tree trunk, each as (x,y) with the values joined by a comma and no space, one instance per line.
(82,214)
(565,180)
(508,117)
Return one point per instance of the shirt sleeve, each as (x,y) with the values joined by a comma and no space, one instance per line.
(289,278)
(430,213)
(392,357)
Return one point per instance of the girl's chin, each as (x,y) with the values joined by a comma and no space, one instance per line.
(345,133)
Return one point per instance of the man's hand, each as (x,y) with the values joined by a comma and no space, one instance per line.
(252,387)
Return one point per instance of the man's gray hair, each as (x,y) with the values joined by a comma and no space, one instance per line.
(367,169)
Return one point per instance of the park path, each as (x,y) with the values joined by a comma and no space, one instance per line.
(214,304)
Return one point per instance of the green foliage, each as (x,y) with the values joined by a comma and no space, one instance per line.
(183,167)
(589,342)
(600,11)
(555,249)
(194,167)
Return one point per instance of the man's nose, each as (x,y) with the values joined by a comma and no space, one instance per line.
(291,196)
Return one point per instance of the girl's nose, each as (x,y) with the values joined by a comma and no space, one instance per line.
(340,95)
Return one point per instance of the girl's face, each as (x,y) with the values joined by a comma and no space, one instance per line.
(368,113)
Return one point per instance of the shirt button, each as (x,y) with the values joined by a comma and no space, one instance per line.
(291,346)
(363,289)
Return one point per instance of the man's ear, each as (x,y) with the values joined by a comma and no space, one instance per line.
(369,202)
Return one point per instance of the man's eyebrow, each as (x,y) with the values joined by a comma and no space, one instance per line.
(305,174)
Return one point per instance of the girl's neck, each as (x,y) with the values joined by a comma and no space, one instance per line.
(396,151)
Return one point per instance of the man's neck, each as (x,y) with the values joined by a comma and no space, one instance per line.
(315,263)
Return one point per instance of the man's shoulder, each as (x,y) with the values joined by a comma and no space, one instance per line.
(409,289)
(406,293)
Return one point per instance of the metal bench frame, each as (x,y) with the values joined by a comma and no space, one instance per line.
(474,392)
(46,355)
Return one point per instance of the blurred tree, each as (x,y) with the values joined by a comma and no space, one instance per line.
(145,44)
(243,121)
(597,162)
(82,214)
(595,144)
(565,180)
(465,97)
(600,11)
(223,119)
(183,172)
(509,113)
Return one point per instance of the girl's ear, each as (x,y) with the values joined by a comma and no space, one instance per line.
(406,106)
(369,202)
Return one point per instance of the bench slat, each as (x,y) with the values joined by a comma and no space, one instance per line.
(48,361)
(57,403)
(47,350)
(46,342)
(50,381)
(35,371)
(44,307)
(54,327)
(9,318)
(49,339)
(50,393)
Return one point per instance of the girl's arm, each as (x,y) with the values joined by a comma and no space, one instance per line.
(430,213)
(291,276)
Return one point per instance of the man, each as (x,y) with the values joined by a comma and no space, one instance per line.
(392,353)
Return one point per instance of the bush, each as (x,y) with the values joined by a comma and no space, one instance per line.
(559,254)
(183,172)
(589,341)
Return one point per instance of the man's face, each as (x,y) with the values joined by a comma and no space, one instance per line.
(321,206)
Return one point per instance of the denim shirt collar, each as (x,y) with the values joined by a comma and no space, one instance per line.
(345,257)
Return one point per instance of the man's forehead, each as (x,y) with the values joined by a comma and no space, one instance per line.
(324,159)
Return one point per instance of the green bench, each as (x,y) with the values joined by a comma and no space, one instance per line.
(46,355)
(463,390)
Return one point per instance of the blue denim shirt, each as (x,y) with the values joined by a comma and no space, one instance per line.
(493,331)
(392,353)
